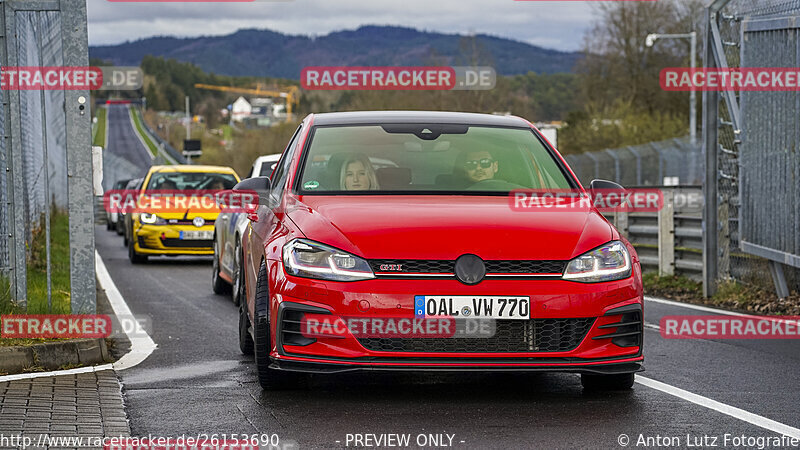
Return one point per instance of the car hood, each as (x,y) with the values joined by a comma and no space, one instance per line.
(445,227)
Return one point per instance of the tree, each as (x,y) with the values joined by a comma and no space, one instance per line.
(619,87)
(619,66)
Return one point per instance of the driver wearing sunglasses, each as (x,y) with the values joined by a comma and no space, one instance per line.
(480,166)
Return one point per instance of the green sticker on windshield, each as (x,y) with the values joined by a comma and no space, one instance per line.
(311,184)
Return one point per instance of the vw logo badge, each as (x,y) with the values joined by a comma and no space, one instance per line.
(470,269)
(466,311)
(198,222)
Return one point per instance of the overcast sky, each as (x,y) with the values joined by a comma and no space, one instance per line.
(551,24)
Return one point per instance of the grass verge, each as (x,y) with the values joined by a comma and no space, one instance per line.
(100,132)
(730,295)
(59,267)
(37,276)
(140,129)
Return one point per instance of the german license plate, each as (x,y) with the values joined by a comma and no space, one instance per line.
(466,307)
(197,235)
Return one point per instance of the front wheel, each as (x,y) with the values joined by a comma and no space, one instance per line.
(616,382)
(238,277)
(218,285)
(269,379)
(134,257)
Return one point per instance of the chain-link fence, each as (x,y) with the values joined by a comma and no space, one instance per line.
(751,143)
(47,250)
(6,267)
(673,161)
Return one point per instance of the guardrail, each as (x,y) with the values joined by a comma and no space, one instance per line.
(669,241)
(162,144)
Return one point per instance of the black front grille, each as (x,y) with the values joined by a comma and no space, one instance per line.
(444,266)
(511,336)
(414,265)
(291,333)
(188,243)
(544,266)
(627,332)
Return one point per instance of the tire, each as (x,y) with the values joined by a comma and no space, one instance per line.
(269,379)
(135,258)
(109,225)
(125,237)
(238,277)
(245,340)
(616,382)
(118,228)
(218,285)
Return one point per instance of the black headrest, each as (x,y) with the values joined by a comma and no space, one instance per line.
(393,177)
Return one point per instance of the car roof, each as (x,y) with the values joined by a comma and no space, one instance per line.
(192,168)
(359,117)
(273,157)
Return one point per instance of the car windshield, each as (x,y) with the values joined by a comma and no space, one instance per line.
(427,159)
(183,181)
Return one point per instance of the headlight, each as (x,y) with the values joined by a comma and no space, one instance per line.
(608,262)
(151,219)
(304,258)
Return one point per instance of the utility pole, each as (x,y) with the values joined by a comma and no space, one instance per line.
(188,120)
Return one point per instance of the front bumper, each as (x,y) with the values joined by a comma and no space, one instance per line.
(602,367)
(166,240)
(610,342)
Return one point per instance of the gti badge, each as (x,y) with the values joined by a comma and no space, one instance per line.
(198,222)
(391,267)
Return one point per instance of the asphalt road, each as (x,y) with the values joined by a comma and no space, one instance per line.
(125,157)
(197,382)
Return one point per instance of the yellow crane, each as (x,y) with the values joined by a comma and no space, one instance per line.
(291,94)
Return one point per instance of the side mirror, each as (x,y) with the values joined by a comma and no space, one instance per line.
(605,184)
(258,186)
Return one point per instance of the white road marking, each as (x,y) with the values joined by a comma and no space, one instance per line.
(695,307)
(55,373)
(755,419)
(141,343)
(705,402)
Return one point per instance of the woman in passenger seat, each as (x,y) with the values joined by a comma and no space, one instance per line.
(358,174)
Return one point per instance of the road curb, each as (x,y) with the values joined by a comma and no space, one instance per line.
(54,355)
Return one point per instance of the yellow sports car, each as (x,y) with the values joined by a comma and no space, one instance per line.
(176,210)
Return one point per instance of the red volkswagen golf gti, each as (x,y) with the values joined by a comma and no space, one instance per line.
(391,241)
